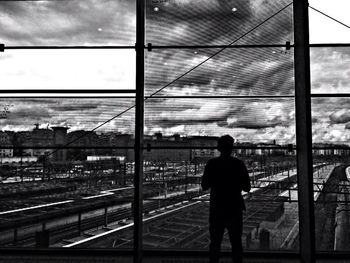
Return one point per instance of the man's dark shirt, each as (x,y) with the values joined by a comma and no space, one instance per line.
(226,177)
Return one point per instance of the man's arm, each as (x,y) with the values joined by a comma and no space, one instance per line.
(206,178)
(245,179)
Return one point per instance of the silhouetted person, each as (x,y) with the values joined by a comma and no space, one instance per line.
(226,177)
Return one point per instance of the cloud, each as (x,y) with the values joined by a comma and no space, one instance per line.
(330,72)
(330,120)
(214,22)
(340,116)
(76,113)
(213,116)
(25,116)
(252,124)
(68,23)
(82,107)
(232,72)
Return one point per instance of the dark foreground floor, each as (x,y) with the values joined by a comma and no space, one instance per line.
(64,256)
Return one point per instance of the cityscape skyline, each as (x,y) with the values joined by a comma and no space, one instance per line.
(42,135)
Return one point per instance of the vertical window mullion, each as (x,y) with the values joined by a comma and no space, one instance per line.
(139,129)
(303,131)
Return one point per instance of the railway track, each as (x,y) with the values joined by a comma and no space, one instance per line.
(71,230)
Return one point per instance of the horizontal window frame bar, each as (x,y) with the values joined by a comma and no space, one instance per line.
(65,47)
(166,147)
(168,253)
(126,91)
(160,253)
(214,147)
(68,91)
(150,47)
(220,97)
(145,147)
(67,96)
(321,45)
(330,95)
(64,147)
(313,95)
(131,97)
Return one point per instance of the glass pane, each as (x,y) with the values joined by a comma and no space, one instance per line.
(52,197)
(64,23)
(266,71)
(329,70)
(177,209)
(247,120)
(330,121)
(67,69)
(331,153)
(214,22)
(80,114)
(325,30)
(182,134)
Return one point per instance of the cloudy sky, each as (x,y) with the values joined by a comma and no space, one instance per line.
(265,71)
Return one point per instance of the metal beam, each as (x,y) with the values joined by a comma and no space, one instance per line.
(303,131)
(139,121)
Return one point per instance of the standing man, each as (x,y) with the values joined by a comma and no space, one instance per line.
(226,177)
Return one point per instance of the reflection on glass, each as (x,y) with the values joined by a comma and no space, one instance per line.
(329,70)
(330,121)
(267,71)
(78,114)
(62,180)
(211,22)
(331,183)
(176,208)
(247,120)
(176,215)
(68,23)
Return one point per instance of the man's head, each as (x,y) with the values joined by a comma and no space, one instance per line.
(225,144)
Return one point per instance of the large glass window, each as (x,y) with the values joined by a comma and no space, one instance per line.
(196,94)
(229,72)
(62,180)
(330,123)
(66,158)
(67,161)
(66,23)
(331,188)
(212,22)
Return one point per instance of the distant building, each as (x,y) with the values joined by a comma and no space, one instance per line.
(163,148)
(124,144)
(18,160)
(60,139)
(326,149)
(41,138)
(5,141)
(200,146)
(245,149)
(24,139)
(84,140)
(32,139)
